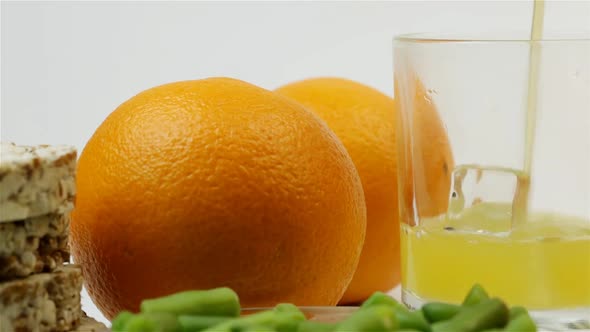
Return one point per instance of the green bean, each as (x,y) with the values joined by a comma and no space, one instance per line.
(405,317)
(153,322)
(517,311)
(521,323)
(119,323)
(199,323)
(286,307)
(140,324)
(476,295)
(411,320)
(230,326)
(214,302)
(281,321)
(258,328)
(380,298)
(377,318)
(288,319)
(439,311)
(488,314)
(312,326)
(217,310)
(443,327)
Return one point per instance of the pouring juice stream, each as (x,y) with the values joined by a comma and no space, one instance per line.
(521,198)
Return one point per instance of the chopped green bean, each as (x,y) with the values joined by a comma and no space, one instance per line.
(444,326)
(378,318)
(380,298)
(286,307)
(258,328)
(312,326)
(140,324)
(488,314)
(521,323)
(517,311)
(476,295)
(218,310)
(439,311)
(214,302)
(199,323)
(119,323)
(281,321)
(411,320)
(152,322)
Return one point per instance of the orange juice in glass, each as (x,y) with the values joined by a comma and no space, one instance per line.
(508,205)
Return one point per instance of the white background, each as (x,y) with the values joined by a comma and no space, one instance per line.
(66,66)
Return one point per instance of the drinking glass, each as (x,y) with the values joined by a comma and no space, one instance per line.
(494,173)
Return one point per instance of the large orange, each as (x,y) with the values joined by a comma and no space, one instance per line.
(365,120)
(216,182)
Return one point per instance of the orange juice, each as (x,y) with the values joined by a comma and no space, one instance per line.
(542,263)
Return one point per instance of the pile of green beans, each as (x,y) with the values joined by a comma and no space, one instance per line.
(218,310)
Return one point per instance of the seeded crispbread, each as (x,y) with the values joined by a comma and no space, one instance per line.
(34,245)
(88,324)
(36,180)
(42,302)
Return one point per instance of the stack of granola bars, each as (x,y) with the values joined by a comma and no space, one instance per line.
(39,290)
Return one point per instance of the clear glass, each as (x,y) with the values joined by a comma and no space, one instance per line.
(471,210)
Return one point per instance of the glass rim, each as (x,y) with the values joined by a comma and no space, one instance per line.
(506,37)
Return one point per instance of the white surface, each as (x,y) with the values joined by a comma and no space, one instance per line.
(66,66)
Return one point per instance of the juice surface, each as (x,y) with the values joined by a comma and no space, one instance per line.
(543,263)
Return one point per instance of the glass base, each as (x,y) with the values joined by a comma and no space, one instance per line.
(574,319)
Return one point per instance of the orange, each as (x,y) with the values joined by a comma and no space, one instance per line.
(365,120)
(216,182)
